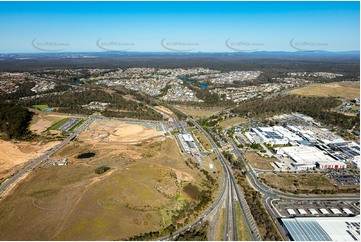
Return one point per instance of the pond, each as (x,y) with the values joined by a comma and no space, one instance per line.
(187,79)
(85,155)
(191,191)
(202,85)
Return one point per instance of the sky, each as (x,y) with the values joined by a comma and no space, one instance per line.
(179,26)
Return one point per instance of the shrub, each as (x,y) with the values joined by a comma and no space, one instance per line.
(102,169)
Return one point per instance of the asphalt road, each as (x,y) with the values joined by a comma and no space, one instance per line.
(215,206)
(251,225)
(266,190)
(226,193)
(230,185)
(269,193)
(220,199)
(34,163)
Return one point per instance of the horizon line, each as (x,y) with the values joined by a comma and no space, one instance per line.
(180,52)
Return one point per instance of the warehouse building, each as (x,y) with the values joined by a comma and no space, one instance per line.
(322,229)
(306,157)
(276,135)
(330,165)
(189,140)
(186,142)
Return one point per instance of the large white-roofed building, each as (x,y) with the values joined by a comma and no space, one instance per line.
(276,135)
(322,228)
(304,156)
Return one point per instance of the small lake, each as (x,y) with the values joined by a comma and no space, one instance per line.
(85,155)
(187,79)
(201,85)
(191,191)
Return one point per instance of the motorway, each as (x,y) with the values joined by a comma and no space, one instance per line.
(215,206)
(34,163)
(225,196)
(248,218)
(229,194)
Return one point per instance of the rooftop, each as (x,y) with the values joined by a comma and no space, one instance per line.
(306,154)
(323,229)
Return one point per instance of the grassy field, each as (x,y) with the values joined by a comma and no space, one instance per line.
(219,227)
(216,162)
(228,123)
(58,124)
(137,195)
(196,112)
(343,90)
(259,162)
(243,234)
(203,140)
(40,107)
(301,182)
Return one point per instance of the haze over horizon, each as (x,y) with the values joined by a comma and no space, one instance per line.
(179,26)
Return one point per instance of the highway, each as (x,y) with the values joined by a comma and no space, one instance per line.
(229,188)
(225,196)
(34,163)
(248,218)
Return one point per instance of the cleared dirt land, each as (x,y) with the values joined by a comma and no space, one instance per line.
(138,194)
(14,155)
(111,132)
(42,121)
(343,90)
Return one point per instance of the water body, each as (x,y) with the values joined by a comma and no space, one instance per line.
(85,155)
(191,191)
(201,85)
(187,79)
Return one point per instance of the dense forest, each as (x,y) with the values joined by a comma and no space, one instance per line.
(14,121)
(320,108)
